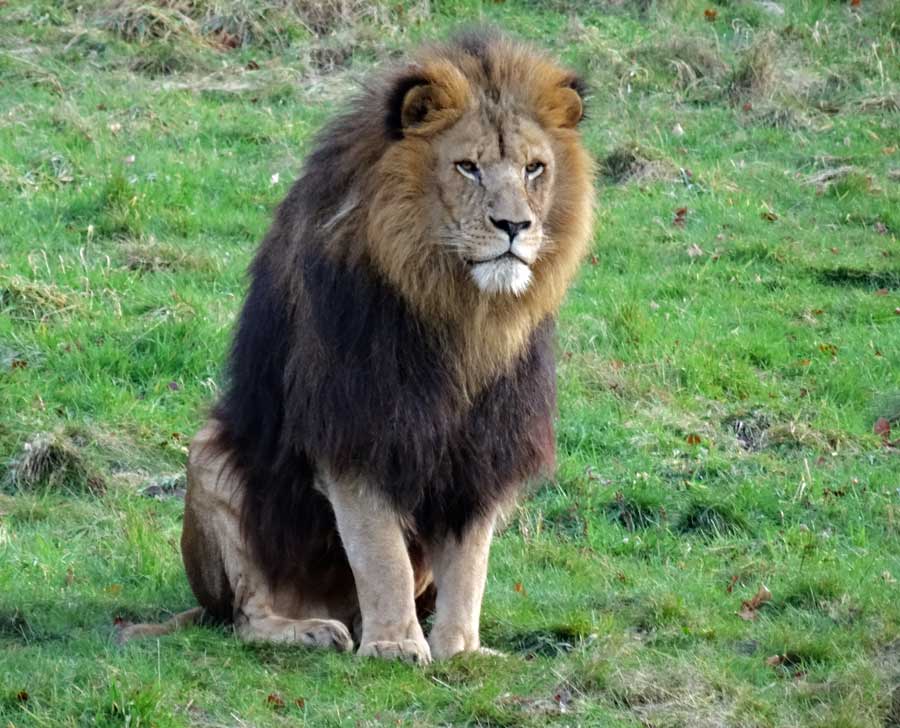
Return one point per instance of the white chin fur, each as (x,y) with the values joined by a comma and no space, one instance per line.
(502,276)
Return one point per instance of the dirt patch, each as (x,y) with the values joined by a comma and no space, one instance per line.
(751,430)
(165,487)
(635,165)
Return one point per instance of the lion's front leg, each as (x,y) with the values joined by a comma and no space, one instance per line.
(376,549)
(460,570)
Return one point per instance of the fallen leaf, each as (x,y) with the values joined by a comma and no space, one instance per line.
(827,348)
(855,3)
(594,260)
(300,703)
(693,439)
(680,216)
(710,14)
(22,696)
(18,364)
(695,251)
(747,107)
(882,428)
(519,588)
(252,65)
(70,576)
(731,584)
(769,216)
(750,607)
(274,700)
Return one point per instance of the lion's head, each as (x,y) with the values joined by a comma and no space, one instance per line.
(486,186)
(462,181)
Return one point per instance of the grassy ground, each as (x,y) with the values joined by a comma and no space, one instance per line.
(725,358)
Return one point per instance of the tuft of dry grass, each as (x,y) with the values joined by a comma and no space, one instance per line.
(147,255)
(756,76)
(673,697)
(25,299)
(239,23)
(693,60)
(52,460)
(632,164)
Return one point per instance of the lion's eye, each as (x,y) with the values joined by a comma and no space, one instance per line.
(468,168)
(534,170)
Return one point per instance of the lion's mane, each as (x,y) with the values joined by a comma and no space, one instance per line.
(357,352)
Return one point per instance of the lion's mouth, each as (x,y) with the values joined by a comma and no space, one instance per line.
(508,255)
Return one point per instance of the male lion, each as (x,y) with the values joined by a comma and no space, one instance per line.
(391,382)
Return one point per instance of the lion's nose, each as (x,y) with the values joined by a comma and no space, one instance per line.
(511,228)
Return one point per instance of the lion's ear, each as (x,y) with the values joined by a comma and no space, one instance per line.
(565,107)
(425,99)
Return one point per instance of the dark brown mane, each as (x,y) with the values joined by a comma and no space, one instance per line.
(333,364)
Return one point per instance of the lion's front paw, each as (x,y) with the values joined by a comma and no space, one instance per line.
(447,642)
(328,633)
(409,650)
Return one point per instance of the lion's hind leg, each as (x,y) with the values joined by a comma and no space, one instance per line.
(223,571)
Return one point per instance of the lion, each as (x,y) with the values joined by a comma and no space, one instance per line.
(391,384)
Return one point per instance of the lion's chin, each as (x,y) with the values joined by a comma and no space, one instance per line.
(505,275)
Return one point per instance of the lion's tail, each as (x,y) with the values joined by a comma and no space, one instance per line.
(179,621)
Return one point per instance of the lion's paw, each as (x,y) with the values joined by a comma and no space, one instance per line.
(327,633)
(410,650)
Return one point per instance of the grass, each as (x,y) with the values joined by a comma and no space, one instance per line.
(724,356)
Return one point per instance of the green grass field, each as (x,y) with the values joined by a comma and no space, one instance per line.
(729,363)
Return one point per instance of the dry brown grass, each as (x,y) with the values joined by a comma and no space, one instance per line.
(233,23)
(632,164)
(148,255)
(38,300)
(52,460)
(755,77)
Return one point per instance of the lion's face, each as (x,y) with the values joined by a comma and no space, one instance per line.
(493,183)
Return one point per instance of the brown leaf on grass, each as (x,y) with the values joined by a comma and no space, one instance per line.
(300,703)
(680,216)
(710,14)
(882,428)
(274,700)
(750,607)
(18,364)
(769,216)
(519,588)
(730,588)
(22,696)
(693,439)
